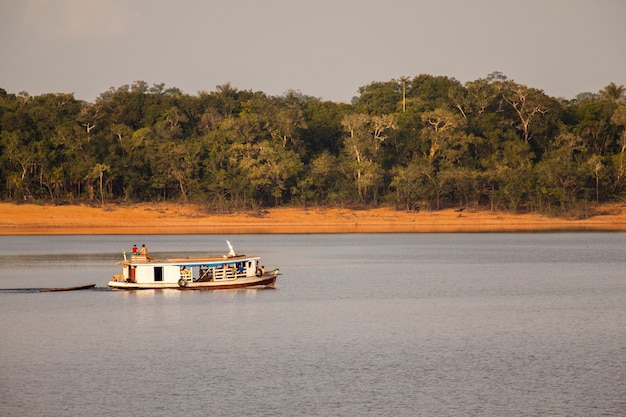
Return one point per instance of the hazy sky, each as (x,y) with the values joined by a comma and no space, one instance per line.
(323,48)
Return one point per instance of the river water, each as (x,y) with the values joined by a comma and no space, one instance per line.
(359,325)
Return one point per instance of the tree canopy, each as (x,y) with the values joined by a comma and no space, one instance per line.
(427,141)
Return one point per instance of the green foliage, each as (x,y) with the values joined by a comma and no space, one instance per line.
(426,141)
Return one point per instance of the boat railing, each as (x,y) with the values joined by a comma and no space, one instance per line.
(225,273)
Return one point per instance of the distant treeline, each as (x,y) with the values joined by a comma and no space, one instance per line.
(427,141)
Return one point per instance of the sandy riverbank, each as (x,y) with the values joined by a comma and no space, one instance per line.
(29,219)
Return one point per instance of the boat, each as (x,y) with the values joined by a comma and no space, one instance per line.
(193,273)
(75,288)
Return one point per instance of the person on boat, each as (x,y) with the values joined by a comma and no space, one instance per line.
(184,272)
(134,250)
(144,252)
(263,270)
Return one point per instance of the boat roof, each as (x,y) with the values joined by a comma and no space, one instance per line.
(203,261)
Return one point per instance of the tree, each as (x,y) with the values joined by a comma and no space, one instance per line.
(496,76)
(619,158)
(323,131)
(613,92)
(596,166)
(429,92)
(227,98)
(562,173)
(99,171)
(593,124)
(365,134)
(404,80)
(442,131)
(324,178)
(526,105)
(139,86)
(511,167)
(408,184)
(380,97)
(20,158)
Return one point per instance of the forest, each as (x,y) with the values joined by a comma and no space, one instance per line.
(427,142)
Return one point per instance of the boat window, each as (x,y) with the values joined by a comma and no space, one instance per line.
(158,273)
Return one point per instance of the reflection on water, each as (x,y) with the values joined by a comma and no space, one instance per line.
(380,325)
(148,294)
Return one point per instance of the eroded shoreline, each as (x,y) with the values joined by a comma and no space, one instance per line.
(31,219)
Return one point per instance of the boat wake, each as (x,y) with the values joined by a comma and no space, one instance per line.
(64,289)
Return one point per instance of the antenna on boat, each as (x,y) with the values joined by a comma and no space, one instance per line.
(231,251)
